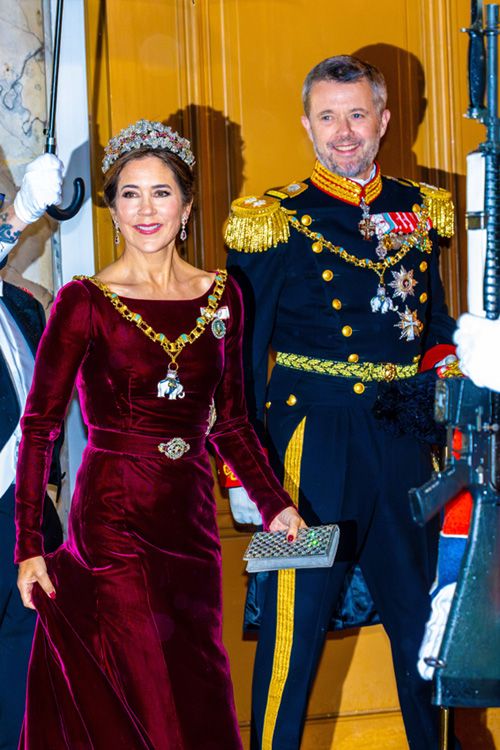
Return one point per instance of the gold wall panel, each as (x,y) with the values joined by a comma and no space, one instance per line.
(228,74)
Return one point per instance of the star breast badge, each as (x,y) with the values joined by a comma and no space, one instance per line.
(403,283)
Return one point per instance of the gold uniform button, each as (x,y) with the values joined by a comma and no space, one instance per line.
(353,358)
(423,297)
(317,247)
(268,404)
(423,266)
(416,208)
(347,331)
(291,400)
(306,220)
(358,388)
(337,305)
(327,275)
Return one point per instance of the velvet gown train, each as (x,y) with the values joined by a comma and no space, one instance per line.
(129,653)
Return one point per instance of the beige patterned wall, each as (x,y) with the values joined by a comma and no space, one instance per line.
(22,119)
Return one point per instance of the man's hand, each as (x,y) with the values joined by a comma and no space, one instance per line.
(478,349)
(33,571)
(243,509)
(41,187)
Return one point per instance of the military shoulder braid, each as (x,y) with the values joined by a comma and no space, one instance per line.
(257,223)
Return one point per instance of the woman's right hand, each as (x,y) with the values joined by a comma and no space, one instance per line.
(31,571)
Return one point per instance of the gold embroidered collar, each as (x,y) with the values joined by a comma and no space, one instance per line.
(345,189)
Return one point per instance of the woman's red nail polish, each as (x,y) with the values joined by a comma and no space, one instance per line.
(52,594)
(290,538)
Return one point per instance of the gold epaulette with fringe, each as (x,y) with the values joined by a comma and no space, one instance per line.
(256,224)
(441,208)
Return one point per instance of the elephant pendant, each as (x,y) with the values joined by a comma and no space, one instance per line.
(171,387)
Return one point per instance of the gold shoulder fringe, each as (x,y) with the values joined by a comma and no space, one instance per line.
(441,208)
(256,224)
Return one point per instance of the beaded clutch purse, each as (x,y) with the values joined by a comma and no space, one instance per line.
(314,547)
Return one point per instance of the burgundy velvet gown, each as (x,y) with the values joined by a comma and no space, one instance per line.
(129,654)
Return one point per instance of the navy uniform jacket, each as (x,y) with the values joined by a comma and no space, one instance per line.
(303,298)
(30,318)
(287,250)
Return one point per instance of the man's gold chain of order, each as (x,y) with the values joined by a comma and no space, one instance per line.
(419,237)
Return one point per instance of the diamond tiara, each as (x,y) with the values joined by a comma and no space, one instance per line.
(145,133)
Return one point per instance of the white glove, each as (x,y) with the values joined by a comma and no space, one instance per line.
(41,187)
(243,509)
(434,630)
(478,349)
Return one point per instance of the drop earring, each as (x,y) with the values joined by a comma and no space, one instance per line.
(183,234)
(117,232)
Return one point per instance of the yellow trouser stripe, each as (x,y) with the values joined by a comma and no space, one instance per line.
(285,600)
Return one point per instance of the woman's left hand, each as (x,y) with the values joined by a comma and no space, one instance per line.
(288,520)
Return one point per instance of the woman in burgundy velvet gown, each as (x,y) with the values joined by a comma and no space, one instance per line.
(128,652)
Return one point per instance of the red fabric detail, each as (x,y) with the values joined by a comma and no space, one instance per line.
(134,633)
(23,289)
(457,441)
(457,515)
(434,355)
(225,476)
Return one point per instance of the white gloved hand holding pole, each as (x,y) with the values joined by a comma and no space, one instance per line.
(478,350)
(41,187)
(243,509)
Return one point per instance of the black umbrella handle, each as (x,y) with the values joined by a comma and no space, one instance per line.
(63,214)
(60,214)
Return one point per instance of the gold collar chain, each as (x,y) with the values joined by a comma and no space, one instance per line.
(170,386)
(172,348)
(419,237)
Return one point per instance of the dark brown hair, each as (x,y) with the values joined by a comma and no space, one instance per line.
(182,173)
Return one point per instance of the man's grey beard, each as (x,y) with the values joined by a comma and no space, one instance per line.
(352,173)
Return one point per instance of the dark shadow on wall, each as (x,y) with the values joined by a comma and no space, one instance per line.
(407,102)
(218,147)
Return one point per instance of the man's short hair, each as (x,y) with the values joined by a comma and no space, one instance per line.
(346,69)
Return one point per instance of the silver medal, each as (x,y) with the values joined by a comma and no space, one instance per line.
(171,387)
(218,328)
(381,302)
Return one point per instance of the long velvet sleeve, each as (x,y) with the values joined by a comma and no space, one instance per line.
(261,277)
(233,436)
(60,353)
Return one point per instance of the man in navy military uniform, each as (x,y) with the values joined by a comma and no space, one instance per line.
(340,275)
(21,324)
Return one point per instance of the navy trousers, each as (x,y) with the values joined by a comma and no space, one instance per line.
(17,623)
(345,468)
(16,633)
